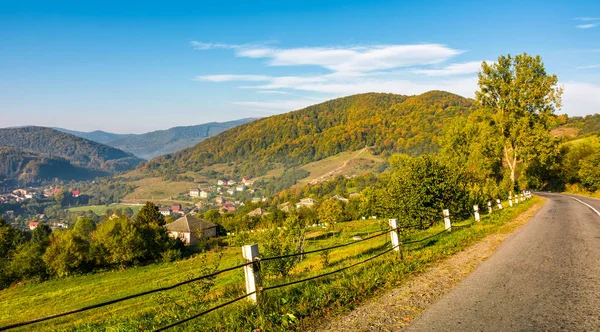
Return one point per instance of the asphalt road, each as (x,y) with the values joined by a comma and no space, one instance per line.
(544,277)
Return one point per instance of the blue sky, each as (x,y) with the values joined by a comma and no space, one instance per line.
(141,66)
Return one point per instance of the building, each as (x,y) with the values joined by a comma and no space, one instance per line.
(165,211)
(340,198)
(76,193)
(176,208)
(305,202)
(222,183)
(285,207)
(219,200)
(231,183)
(194,192)
(240,188)
(33,225)
(227,207)
(231,191)
(190,229)
(258,212)
(203,194)
(30,195)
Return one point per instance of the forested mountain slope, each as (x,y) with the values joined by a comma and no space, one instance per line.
(385,122)
(28,167)
(78,151)
(96,135)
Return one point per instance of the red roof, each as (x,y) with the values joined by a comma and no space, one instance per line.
(76,193)
(34,223)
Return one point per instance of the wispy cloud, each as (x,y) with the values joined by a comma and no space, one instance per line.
(343,59)
(589,67)
(233,77)
(587,26)
(586,19)
(453,69)
(274,92)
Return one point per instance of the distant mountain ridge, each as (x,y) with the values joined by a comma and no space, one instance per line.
(159,142)
(96,135)
(80,152)
(167,141)
(388,123)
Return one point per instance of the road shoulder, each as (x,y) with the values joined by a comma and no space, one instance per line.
(398,307)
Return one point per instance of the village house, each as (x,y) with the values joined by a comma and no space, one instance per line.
(29,194)
(194,192)
(286,207)
(247,182)
(176,208)
(231,183)
(340,198)
(305,202)
(222,183)
(219,200)
(190,229)
(76,193)
(231,191)
(165,211)
(203,194)
(258,212)
(33,225)
(227,207)
(240,188)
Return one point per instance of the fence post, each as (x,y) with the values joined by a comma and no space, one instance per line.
(500,207)
(252,271)
(394,235)
(476,210)
(517,199)
(447,223)
(510,203)
(490,207)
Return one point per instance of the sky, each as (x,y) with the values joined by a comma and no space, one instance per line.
(138,66)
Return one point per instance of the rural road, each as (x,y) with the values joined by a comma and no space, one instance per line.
(545,277)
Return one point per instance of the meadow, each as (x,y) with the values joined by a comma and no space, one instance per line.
(289,308)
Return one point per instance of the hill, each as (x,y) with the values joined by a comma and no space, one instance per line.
(28,167)
(385,122)
(96,135)
(578,126)
(162,142)
(78,151)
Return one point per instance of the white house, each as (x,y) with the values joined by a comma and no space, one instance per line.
(189,229)
(305,202)
(240,188)
(194,192)
(222,183)
(165,211)
(231,191)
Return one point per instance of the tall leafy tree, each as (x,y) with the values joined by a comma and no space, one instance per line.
(519,96)
(150,213)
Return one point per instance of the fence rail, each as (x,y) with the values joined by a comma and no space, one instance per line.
(256,263)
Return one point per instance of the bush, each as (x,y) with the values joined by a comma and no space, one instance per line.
(68,252)
(170,255)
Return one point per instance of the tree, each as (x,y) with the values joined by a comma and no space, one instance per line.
(84,227)
(68,252)
(589,172)
(519,97)
(40,234)
(331,211)
(150,214)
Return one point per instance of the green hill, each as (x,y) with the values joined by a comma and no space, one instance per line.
(29,167)
(385,122)
(162,142)
(96,135)
(78,151)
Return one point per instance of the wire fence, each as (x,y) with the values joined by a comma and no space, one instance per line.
(265,259)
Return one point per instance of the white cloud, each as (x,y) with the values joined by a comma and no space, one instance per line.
(354,59)
(587,26)
(581,98)
(453,69)
(587,18)
(277,106)
(212,46)
(274,92)
(589,67)
(232,77)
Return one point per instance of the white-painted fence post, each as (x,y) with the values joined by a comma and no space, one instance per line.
(394,237)
(517,199)
(476,212)
(252,271)
(500,207)
(510,203)
(447,223)
(490,207)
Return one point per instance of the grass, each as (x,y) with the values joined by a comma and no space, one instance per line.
(101,209)
(295,307)
(345,163)
(156,189)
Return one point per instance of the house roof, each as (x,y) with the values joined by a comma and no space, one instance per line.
(188,224)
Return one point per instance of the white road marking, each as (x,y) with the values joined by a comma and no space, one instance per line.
(586,204)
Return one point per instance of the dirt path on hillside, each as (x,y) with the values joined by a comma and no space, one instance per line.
(396,308)
(330,174)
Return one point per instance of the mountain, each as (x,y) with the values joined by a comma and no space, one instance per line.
(387,123)
(162,142)
(96,136)
(28,167)
(78,151)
